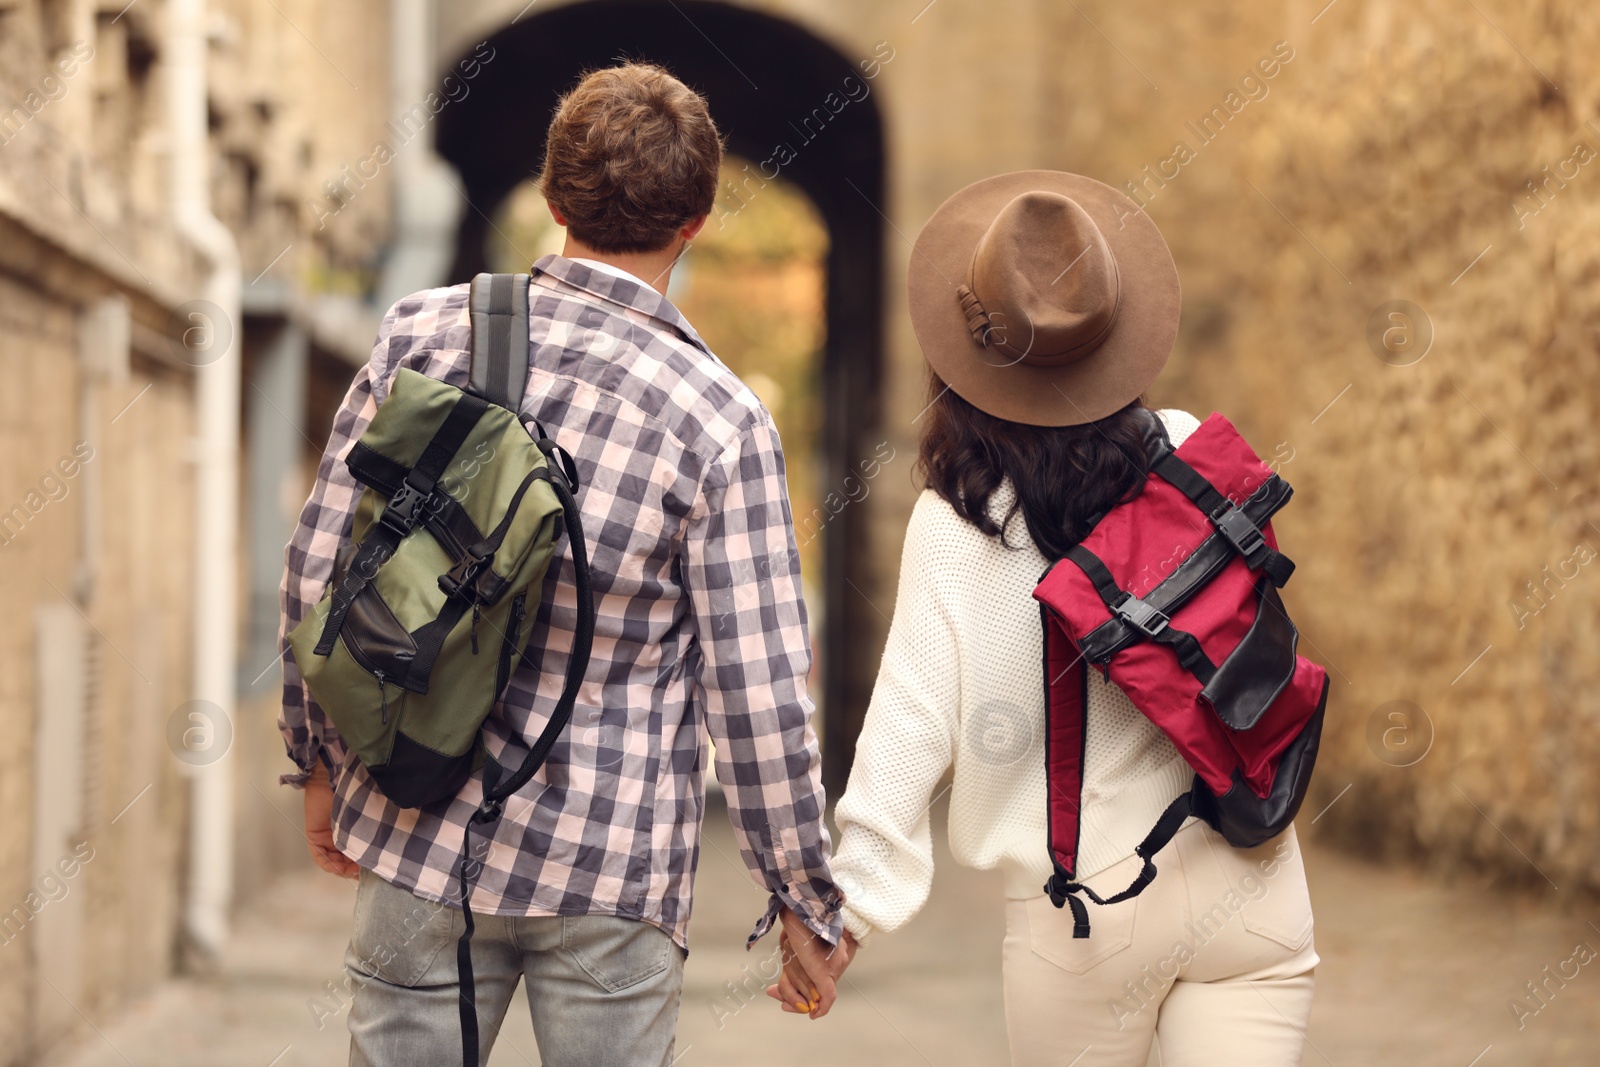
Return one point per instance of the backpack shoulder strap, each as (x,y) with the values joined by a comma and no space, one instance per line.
(499,312)
(1156,441)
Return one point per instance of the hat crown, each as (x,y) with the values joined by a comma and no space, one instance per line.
(1043,286)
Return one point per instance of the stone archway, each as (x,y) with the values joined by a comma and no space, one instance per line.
(795,105)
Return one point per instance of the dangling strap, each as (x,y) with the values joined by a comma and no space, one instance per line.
(1063,890)
(495,791)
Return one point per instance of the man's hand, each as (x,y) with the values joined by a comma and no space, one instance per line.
(319,828)
(811,968)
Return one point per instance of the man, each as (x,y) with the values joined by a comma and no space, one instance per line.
(700,634)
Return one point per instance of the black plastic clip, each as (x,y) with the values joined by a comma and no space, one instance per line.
(400,514)
(1140,615)
(1244,535)
(462,579)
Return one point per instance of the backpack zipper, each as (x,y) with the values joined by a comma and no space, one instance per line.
(508,648)
(383,698)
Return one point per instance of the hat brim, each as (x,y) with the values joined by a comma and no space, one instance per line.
(1099,384)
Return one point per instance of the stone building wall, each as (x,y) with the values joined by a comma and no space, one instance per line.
(1448,507)
(96,453)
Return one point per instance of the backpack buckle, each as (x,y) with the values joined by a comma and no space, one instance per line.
(1244,535)
(462,579)
(1141,616)
(400,514)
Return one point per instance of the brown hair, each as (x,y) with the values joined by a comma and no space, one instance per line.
(1066,477)
(632,155)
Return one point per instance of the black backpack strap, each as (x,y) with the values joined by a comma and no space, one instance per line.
(500,360)
(499,312)
(1140,616)
(496,791)
(577,661)
(1064,890)
(1230,520)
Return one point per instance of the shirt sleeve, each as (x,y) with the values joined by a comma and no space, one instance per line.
(907,742)
(324,525)
(743,574)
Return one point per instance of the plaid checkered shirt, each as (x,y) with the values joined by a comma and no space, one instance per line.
(700,631)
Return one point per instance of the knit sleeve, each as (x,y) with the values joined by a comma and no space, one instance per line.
(884,862)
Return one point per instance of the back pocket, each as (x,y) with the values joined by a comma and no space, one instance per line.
(1110,925)
(397,935)
(1281,911)
(617,953)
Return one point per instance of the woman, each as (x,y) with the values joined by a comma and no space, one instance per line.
(1046,304)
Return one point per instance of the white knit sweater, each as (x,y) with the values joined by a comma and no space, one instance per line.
(961,685)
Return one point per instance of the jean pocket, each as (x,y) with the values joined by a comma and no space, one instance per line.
(398,935)
(616,953)
(1272,880)
(1110,925)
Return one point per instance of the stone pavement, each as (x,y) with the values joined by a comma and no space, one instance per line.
(1415,973)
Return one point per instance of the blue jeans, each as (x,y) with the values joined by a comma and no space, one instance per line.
(603,991)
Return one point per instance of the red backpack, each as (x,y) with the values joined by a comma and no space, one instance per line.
(1174,597)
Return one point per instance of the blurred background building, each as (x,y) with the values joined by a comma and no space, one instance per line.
(1384,222)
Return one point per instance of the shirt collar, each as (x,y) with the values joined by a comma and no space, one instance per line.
(611,269)
(619,287)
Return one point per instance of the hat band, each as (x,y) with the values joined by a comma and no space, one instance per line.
(981,325)
(977,318)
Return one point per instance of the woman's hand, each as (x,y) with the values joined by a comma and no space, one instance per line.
(319,828)
(807,985)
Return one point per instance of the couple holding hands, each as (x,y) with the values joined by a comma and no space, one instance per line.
(1043,323)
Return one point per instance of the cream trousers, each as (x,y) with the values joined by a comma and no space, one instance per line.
(1212,963)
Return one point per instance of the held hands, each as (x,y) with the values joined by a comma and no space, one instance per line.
(808,984)
(319,828)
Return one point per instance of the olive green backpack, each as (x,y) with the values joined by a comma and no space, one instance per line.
(432,596)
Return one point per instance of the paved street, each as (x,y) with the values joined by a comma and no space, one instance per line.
(1414,974)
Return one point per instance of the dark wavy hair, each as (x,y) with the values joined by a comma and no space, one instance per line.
(1065,477)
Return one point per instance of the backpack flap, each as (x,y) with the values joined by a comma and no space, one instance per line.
(1246,683)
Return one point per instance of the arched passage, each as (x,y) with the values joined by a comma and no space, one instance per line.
(796,106)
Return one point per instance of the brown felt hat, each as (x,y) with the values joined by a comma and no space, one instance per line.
(1044,297)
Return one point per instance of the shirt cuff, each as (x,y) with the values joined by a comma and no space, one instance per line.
(820,914)
(313,764)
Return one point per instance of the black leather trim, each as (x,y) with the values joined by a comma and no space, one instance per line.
(1250,679)
(377,641)
(417,775)
(1247,820)
(1188,578)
